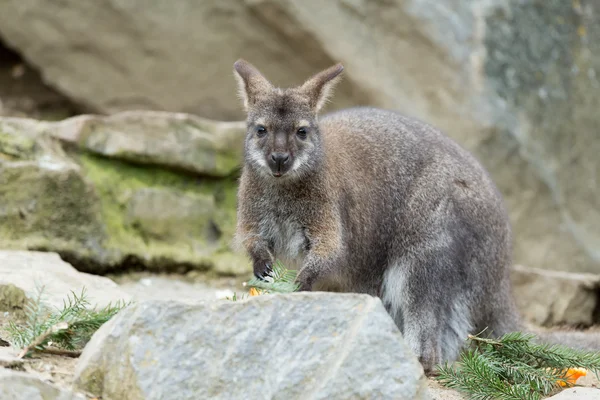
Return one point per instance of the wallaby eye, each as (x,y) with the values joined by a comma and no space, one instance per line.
(301,132)
(261,131)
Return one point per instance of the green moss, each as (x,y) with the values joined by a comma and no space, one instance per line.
(12,299)
(16,146)
(227,162)
(116,182)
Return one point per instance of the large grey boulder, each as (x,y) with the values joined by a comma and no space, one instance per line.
(301,345)
(149,189)
(16,385)
(514,81)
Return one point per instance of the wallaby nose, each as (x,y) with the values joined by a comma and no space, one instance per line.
(280,158)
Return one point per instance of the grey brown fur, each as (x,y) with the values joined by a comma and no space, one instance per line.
(372,201)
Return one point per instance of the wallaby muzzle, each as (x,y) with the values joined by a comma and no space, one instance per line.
(279,163)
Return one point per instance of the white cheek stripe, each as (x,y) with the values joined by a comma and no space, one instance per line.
(299,161)
(258,159)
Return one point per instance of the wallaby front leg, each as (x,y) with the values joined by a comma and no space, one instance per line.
(262,259)
(323,258)
(258,249)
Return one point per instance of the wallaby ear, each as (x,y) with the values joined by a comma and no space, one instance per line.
(319,87)
(250,82)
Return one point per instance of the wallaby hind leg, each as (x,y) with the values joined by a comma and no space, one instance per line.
(432,317)
(504,317)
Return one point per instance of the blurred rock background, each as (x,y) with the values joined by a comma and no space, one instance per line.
(149,180)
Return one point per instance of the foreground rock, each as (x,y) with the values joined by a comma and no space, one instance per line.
(22,273)
(514,82)
(301,345)
(153,190)
(19,385)
(549,298)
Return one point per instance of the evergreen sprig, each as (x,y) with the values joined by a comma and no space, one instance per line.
(280,280)
(513,367)
(68,328)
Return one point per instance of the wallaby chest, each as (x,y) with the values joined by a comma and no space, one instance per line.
(282,226)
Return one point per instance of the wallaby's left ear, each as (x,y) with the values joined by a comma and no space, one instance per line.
(251,83)
(320,86)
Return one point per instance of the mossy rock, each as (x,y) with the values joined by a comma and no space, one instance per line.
(106,213)
(12,299)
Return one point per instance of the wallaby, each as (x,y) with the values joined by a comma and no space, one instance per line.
(367,200)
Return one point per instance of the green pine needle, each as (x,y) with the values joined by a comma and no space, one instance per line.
(513,367)
(67,328)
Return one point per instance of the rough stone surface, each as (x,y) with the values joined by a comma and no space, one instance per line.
(98,191)
(16,385)
(548,298)
(578,393)
(301,345)
(514,81)
(23,272)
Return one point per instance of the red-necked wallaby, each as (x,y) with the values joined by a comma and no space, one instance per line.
(367,200)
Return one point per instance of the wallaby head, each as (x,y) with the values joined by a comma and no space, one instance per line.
(283,141)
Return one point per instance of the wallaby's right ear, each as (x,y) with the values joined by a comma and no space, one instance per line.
(250,82)
(320,86)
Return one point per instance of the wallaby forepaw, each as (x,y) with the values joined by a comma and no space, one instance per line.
(263,269)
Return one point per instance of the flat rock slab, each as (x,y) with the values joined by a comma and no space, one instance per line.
(549,298)
(577,393)
(23,272)
(300,345)
(16,385)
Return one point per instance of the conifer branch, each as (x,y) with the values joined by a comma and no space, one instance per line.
(514,366)
(65,329)
(280,280)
